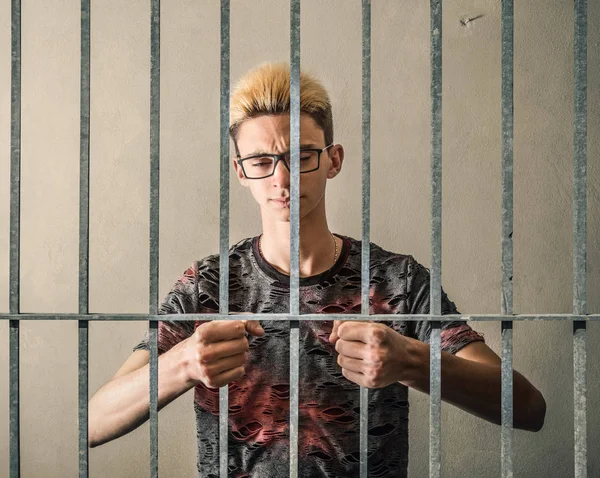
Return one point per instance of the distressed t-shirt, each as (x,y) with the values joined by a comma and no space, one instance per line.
(328,433)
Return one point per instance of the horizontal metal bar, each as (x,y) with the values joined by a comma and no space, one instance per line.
(303,317)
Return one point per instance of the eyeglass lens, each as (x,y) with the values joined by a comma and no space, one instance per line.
(264,166)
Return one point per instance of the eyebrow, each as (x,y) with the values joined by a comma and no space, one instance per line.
(302,146)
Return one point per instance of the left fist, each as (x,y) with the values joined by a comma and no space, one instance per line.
(371,355)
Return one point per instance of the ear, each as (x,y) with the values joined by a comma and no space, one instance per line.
(336,158)
(239,173)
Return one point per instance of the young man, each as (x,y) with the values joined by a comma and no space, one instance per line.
(335,359)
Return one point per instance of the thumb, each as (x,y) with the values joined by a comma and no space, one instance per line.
(253,327)
(333,337)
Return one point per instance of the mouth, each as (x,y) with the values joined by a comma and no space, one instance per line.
(284,203)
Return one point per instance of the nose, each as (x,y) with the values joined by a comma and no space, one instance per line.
(281,176)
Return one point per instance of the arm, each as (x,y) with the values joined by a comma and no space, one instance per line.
(214,355)
(471,381)
(122,404)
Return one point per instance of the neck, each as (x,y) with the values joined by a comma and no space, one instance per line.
(317,247)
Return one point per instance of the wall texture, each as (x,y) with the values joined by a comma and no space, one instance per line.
(331,47)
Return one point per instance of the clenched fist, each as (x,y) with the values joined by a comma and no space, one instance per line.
(217,352)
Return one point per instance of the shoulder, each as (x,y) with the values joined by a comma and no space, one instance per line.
(237,252)
(386,260)
(207,269)
(390,266)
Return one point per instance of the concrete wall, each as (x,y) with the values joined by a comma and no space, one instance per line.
(331,47)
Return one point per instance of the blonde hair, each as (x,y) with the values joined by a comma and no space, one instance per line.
(265,90)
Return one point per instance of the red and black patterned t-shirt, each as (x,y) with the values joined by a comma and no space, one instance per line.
(328,402)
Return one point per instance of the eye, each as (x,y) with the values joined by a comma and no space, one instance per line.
(260,162)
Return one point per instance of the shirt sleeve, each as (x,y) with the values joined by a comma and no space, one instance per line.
(182,299)
(454,334)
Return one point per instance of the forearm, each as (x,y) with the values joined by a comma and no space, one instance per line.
(476,388)
(122,404)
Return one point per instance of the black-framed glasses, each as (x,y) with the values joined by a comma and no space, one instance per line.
(262,166)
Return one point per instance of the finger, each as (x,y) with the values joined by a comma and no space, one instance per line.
(355,377)
(349,363)
(366,332)
(333,337)
(219,330)
(227,376)
(217,350)
(227,363)
(353,349)
(253,327)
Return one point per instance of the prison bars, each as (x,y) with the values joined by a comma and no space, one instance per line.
(366,217)
(506,433)
(224,223)
(435,307)
(84,233)
(83,317)
(580,238)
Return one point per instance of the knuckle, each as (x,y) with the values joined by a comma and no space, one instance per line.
(207,356)
(376,355)
(201,335)
(376,334)
(373,374)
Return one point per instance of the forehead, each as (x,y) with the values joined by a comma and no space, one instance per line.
(271,133)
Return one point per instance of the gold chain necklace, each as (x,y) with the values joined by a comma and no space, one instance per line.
(332,236)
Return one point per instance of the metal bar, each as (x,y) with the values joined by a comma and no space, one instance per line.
(311,317)
(224,225)
(506,433)
(84,231)
(366,217)
(154,225)
(15,228)
(435,426)
(580,397)
(580,239)
(506,438)
(294,228)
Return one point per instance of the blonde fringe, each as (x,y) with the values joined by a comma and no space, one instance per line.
(265,90)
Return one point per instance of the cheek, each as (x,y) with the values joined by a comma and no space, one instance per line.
(257,191)
(313,186)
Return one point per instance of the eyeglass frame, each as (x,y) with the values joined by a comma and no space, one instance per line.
(281,157)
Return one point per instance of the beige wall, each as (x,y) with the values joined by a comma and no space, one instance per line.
(331,47)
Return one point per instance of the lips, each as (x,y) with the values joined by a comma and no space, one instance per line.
(282,202)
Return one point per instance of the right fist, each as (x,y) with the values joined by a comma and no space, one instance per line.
(217,352)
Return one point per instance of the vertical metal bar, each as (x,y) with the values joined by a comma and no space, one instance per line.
(154,225)
(15,228)
(84,229)
(435,426)
(294,228)
(580,240)
(224,225)
(507,237)
(366,216)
